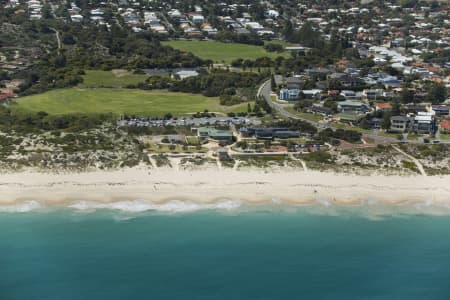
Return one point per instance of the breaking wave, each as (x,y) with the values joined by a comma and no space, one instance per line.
(371,208)
(21,207)
(142,206)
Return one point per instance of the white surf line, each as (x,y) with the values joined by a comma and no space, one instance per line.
(415,160)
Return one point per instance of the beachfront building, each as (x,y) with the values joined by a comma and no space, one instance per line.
(353,107)
(268,133)
(289,94)
(401,124)
(424,123)
(441,110)
(445,126)
(214,134)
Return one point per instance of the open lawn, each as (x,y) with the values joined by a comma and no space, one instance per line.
(113,79)
(121,101)
(222,52)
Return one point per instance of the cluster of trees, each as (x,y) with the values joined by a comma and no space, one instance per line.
(436,93)
(302,126)
(217,83)
(50,73)
(86,46)
(305,36)
(229,100)
(233,37)
(100,48)
(260,62)
(333,137)
(30,122)
(271,47)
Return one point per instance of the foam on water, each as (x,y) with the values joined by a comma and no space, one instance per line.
(371,208)
(171,206)
(21,207)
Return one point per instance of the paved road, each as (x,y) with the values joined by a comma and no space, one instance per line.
(264,92)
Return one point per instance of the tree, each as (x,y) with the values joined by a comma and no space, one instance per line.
(407,95)
(329,103)
(288,30)
(249,108)
(300,105)
(437,93)
(273,82)
(364,123)
(256,108)
(386,121)
(273,47)
(395,108)
(334,84)
(68,39)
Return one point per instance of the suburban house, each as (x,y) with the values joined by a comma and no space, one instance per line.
(375,123)
(383,107)
(312,94)
(424,123)
(415,108)
(441,110)
(214,134)
(320,110)
(293,83)
(351,81)
(401,124)
(353,107)
(6,94)
(445,126)
(289,94)
(182,74)
(349,95)
(373,94)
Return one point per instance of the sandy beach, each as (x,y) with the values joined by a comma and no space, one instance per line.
(140,188)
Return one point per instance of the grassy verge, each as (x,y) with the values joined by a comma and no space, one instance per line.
(306,116)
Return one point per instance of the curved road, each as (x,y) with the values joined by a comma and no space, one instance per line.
(264,92)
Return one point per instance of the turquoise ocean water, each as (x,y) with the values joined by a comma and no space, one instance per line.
(264,254)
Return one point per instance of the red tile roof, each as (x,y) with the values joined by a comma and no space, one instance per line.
(384,106)
(445,125)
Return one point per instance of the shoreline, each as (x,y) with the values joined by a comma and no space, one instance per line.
(142,189)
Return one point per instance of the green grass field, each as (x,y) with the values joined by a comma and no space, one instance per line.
(111,79)
(120,101)
(222,52)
